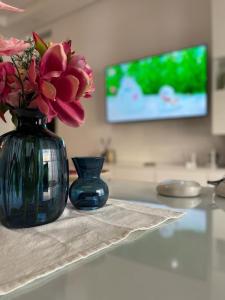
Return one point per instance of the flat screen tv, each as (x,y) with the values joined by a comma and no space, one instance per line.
(167,86)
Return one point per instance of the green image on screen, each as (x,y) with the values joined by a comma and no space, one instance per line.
(171,85)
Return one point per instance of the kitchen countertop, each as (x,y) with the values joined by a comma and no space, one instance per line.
(181,260)
(153,165)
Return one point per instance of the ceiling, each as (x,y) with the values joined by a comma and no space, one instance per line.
(37,13)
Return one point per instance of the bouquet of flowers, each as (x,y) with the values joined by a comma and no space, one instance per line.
(49,77)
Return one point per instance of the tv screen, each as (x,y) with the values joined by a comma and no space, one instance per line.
(166,86)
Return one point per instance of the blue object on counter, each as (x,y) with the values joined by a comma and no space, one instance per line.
(33,173)
(89,191)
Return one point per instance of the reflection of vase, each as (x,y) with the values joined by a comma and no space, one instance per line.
(89,191)
(33,173)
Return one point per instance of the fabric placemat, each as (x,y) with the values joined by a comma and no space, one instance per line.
(31,253)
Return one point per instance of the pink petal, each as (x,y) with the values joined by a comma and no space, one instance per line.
(87,95)
(32,75)
(51,114)
(13,82)
(28,86)
(5,6)
(9,67)
(43,107)
(54,59)
(53,74)
(2,80)
(91,87)
(79,62)
(70,113)
(48,90)
(83,81)
(67,46)
(13,99)
(41,104)
(66,87)
(12,46)
(33,104)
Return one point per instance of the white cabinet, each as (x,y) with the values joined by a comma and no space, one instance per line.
(218,27)
(218,67)
(218,112)
(160,173)
(129,172)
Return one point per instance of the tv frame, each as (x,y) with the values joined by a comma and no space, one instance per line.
(163,119)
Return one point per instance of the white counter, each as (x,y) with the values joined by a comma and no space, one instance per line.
(160,172)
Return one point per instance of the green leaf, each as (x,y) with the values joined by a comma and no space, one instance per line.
(4,107)
(40,45)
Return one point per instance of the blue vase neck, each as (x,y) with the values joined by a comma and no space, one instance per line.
(89,167)
(88,174)
(30,122)
(29,119)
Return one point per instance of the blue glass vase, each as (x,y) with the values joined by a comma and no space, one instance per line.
(33,173)
(89,191)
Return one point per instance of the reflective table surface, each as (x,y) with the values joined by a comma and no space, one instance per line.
(180,260)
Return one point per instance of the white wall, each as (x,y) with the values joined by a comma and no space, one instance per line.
(8,126)
(112,31)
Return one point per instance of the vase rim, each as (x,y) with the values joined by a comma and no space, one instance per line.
(88,157)
(88,166)
(92,161)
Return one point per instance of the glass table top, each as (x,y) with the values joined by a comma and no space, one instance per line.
(184,259)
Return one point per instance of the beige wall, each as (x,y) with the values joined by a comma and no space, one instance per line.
(8,126)
(112,31)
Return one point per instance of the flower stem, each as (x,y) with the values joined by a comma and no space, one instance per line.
(19,78)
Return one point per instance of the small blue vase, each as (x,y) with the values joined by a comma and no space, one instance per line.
(89,191)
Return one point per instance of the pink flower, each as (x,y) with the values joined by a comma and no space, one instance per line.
(13,98)
(77,65)
(5,6)
(6,71)
(8,95)
(12,46)
(60,83)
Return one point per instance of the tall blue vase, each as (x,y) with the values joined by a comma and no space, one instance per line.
(89,191)
(33,173)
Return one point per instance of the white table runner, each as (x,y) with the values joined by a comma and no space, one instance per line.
(28,254)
